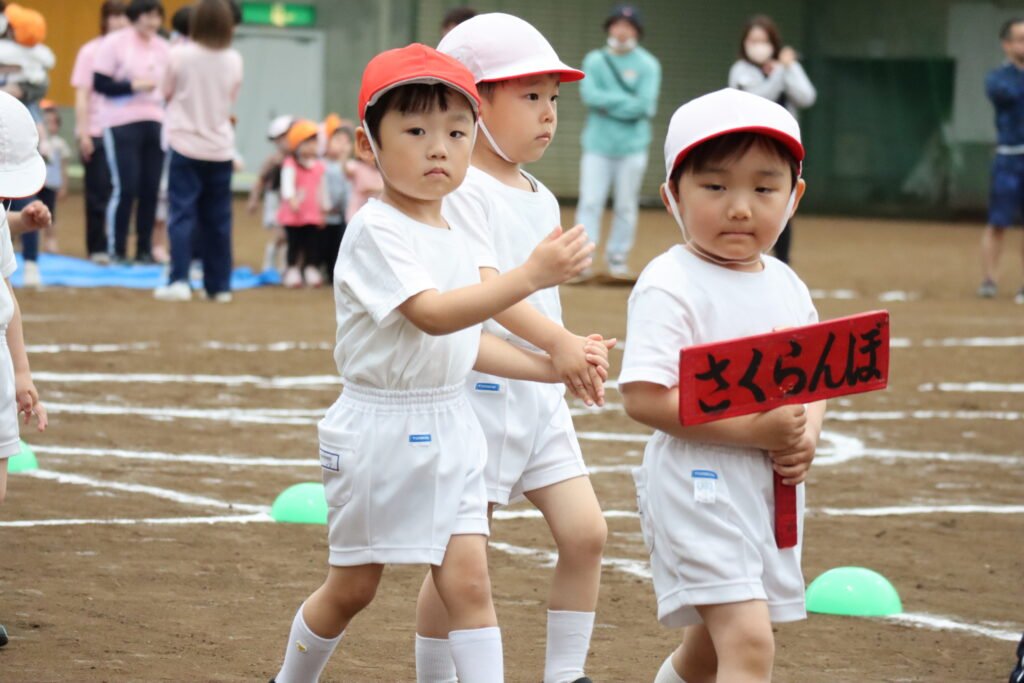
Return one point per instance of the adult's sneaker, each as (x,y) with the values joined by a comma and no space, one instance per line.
(312,276)
(220,297)
(987,289)
(292,278)
(176,291)
(100,258)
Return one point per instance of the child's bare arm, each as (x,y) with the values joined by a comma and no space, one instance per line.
(558,258)
(657,406)
(25,390)
(498,357)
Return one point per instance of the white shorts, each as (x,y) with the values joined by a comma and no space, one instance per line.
(712,540)
(531,441)
(10,439)
(403,472)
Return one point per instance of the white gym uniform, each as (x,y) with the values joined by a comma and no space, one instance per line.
(10,441)
(711,540)
(531,441)
(401,451)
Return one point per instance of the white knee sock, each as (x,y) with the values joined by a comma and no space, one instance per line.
(477,654)
(434,663)
(568,643)
(667,673)
(306,655)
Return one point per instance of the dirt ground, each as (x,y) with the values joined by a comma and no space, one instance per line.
(126,595)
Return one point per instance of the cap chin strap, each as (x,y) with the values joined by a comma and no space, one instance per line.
(376,152)
(493,144)
(703,253)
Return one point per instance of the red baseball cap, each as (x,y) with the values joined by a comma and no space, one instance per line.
(414,63)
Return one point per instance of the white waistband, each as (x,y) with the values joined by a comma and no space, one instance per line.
(434,396)
(1010,150)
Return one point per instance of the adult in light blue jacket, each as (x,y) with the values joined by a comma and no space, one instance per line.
(621,96)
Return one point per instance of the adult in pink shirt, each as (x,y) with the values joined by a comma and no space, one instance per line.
(201,86)
(89,127)
(128,67)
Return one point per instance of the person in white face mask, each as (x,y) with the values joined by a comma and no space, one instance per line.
(769,68)
(620,93)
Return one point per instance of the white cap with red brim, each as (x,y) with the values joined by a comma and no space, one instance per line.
(497,47)
(723,112)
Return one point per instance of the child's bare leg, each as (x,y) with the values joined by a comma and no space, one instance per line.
(692,662)
(3,479)
(321,620)
(743,640)
(579,530)
(465,589)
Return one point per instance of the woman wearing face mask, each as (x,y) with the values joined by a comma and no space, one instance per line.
(128,68)
(770,69)
(620,93)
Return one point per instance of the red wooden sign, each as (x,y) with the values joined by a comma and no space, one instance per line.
(796,365)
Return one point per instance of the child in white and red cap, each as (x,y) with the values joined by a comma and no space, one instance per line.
(22,172)
(532,449)
(732,181)
(401,452)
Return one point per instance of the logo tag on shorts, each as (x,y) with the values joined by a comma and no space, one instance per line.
(329,461)
(704,482)
(420,439)
(487,386)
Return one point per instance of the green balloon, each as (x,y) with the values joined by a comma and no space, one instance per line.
(303,503)
(853,592)
(23,461)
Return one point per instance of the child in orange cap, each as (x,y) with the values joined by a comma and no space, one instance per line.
(401,452)
(304,199)
(705,492)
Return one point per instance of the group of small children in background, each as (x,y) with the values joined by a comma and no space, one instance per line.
(311,187)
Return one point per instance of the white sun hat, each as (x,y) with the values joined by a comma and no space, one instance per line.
(497,47)
(279,126)
(727,111)
(22,170)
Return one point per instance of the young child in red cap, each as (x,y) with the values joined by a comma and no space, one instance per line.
(401,451)
(705,492)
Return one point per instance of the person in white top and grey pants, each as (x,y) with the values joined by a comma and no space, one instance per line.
(769,68)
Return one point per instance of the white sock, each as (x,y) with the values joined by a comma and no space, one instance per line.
(477,654)
(568,643)
(667,673)
(434,663)
(306,654)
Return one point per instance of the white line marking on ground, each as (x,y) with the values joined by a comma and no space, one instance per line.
(202,458)
(278,416)
(323,381)
(897,511)
(975,387)
(938,623)
(258,517)
(843,294)
(156,491)
(888,415)
(976,341)
(89,348)
(548,558)
(273,347)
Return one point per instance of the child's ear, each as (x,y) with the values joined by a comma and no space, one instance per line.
(363,149)
(801,188)
(668,197)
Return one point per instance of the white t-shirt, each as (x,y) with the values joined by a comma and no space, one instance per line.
(7,267)
(386,258)
(681,300)
(504,225)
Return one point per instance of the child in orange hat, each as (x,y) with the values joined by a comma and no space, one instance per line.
(304,200)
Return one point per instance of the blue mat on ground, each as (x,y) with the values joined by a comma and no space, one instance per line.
(56,270)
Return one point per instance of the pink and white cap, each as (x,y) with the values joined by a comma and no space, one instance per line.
(497,47)
(723,112)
